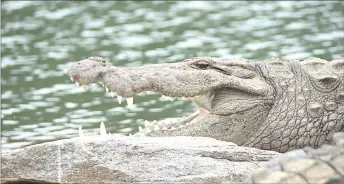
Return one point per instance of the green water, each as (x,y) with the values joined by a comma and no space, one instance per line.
(39,102)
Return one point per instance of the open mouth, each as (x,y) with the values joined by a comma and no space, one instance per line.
(220,89)
(163,125)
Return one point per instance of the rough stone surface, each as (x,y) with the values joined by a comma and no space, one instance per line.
(114,158)
(322,165)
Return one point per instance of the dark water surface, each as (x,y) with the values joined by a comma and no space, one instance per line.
(40,103)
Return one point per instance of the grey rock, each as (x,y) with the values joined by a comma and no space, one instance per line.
(114,158)
(307,165)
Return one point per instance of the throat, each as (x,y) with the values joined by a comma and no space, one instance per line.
(231,101)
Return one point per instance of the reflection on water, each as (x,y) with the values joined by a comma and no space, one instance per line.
(39,39)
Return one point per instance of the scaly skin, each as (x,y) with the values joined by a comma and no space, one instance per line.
(274,105)
(304,166)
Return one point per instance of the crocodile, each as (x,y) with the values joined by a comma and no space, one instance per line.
(271,104)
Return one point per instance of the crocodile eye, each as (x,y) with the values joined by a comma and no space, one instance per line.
(201,65)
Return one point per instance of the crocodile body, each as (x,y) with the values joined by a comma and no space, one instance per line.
(272,104)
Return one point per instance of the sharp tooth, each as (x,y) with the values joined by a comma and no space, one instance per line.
(146,123)
(107,90)
(140,129)
(65,71)
(164,128)
(81,134)
(163,97)
(130,102)
(148,130)
(84,86)
(119,99)
(101,84)
(102,129)
(112,94)
(156,128)
(188,123)
(182,123)
(130,134)
(71,78)
(77,84)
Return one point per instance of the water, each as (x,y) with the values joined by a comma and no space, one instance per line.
(39,39)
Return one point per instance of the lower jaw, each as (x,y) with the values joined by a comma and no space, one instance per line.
(161,126)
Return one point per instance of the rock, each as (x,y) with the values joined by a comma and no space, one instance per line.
(323,165)
(114,158)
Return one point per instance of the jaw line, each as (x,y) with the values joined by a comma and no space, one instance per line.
(157,128)
(152,128)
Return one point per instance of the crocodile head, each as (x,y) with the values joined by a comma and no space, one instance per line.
(225,90)
(248,103)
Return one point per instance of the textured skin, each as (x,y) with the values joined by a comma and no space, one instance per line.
(308,105)
(273,104)
(322,165)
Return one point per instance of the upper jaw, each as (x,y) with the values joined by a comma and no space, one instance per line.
(174,79)
(87,71)
(127,82)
